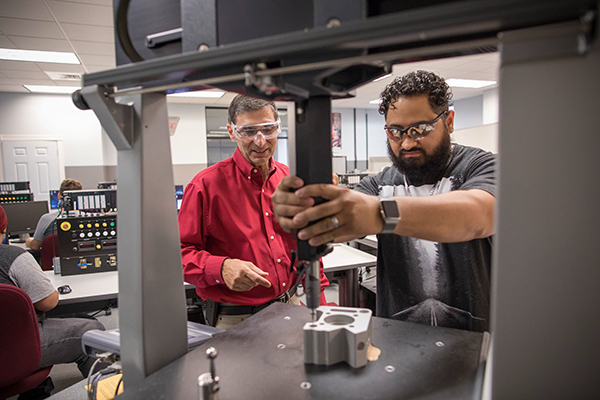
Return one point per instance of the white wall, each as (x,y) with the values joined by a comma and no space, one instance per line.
(485,137)
(24,114)
(188,145)
(84,141)
(490,106)
(377,137)
(469,112)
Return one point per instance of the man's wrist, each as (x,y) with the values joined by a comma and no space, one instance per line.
(390,214)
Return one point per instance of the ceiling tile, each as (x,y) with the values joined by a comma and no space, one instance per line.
(24,27)
(29,43)
(13,88)
(26,74)
(97,2)
(5,81)
(96,48)
(26,9)
(18,65)
(80,13)
(89,33)
(96,68)
(27,81)
(91,59)
(60,67)
(68,83)
(5,43)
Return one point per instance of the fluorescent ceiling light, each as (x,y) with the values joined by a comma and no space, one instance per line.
(51,89)
(63,76)
(382,77)
(202,93)
(38,56)
(469,83)
(376,101)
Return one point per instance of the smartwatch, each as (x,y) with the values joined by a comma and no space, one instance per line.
(390,213)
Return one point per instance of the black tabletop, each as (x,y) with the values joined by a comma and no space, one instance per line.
(416,362)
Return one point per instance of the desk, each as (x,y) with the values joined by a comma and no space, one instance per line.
(428,363)
(94,291)
(90,292)
(369,241)
(344,262)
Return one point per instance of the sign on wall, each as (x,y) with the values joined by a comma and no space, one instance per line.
(336,130)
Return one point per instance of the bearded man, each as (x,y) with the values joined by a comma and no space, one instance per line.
(433,211)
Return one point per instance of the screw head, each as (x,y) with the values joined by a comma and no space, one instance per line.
(211,353)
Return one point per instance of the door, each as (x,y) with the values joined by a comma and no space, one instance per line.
(35,161)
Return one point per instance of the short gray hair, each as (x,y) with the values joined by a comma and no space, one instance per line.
(242,103)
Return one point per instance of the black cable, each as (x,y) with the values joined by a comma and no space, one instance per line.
(123,32)
(118,386)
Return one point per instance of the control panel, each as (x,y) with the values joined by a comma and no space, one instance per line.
(15,192)
(16,197)
(87,243)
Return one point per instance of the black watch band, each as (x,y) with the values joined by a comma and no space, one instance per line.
(390,213)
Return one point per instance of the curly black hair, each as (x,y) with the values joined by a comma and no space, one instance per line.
(417,83)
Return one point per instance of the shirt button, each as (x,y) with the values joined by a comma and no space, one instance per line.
(272,237)
(217,281)
(254,170)
(249,178)
(279,260)
(267,214)
(263,190)
(283,284)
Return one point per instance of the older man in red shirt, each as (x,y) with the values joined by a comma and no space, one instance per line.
(233,250)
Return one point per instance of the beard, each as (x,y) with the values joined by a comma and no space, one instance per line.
(420,172)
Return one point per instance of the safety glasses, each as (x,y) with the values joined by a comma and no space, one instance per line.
(269,130)
(417,131)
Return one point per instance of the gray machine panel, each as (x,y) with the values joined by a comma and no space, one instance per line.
(252,365)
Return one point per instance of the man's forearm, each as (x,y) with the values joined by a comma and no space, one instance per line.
(457,216)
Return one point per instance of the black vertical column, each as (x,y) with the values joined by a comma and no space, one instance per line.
(313,154)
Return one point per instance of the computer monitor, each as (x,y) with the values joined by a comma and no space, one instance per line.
(23,217)
(54,199)
(179,195)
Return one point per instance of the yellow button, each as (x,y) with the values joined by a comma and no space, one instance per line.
(104,224)
(65,226)
(80,226)
(97,225)
(89,225)
(98,246)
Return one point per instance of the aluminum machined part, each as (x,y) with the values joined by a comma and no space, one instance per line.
(340,334)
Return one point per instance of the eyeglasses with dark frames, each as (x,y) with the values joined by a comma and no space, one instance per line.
(417,131)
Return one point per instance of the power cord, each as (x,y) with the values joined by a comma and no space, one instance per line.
(93,379)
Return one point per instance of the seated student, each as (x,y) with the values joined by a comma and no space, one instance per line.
(60,337)
(46,226)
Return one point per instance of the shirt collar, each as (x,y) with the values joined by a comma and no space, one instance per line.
(247,168)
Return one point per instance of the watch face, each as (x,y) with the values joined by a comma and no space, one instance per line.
(390,208)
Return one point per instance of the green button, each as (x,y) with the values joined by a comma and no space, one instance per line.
(112,224)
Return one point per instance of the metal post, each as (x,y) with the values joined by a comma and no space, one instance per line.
(152,316)
(546,267)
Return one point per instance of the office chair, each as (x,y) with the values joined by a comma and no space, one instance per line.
(20,345)
(49,251)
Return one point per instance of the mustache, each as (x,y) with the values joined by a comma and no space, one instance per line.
(402,151)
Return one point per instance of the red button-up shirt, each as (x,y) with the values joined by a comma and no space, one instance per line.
(227,212)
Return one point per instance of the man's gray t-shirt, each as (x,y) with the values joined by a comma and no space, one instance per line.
(45,226)
(445,284)
(19,268)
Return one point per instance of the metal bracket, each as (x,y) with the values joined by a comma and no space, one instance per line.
(339,334)
(156,39)
(265,83)
(116,119)
(548,41)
